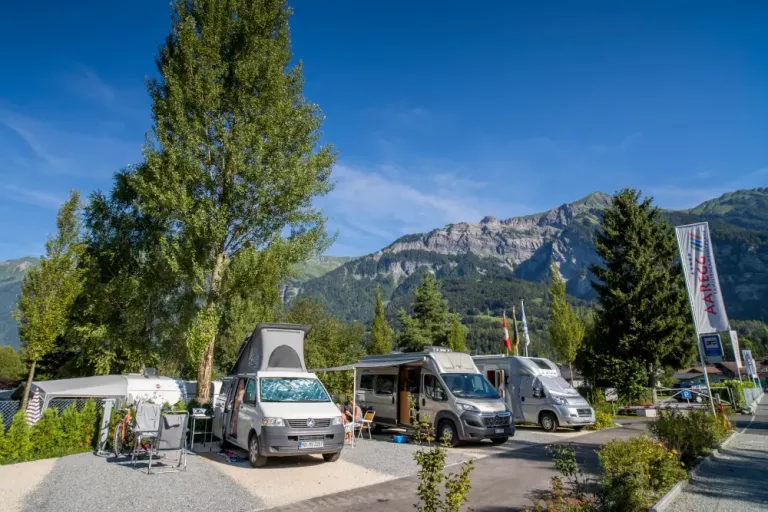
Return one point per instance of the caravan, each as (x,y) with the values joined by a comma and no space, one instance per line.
(271,406)
(445,386)
(534,390)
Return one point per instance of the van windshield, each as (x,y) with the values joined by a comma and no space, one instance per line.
(289,389)
(558,385)
(469,385)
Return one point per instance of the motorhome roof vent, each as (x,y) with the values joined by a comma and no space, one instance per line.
(149,372)
(272,347)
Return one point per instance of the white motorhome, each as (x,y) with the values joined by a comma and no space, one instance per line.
(446,387)
(534,390)
(271,406)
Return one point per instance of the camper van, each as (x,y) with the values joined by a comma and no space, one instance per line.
(446,387)
(271,406)
(536,393)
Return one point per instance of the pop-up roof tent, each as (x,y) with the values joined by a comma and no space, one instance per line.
(272,347)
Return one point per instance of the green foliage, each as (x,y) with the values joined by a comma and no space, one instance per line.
(430,457)
(11,366)
(47,437)
(381,333)
(691,434)
(753,335)
(602,420)
(566,330)
(50,290)
(643,322)
(636,473)
(18,444)
(429,324)
(569,492)
(204,327)
(329,343)
(457,336)
(737,390)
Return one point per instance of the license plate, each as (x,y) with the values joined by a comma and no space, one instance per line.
(310,444)
(499,430)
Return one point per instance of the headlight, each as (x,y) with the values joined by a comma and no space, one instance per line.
(337,420)
(273,422)
(468,407)
(559,400)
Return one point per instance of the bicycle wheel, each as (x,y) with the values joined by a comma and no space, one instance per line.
(117,441)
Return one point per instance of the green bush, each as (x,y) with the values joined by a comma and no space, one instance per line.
(602,420)
(690,434)
(47,436)
(17,440)
(636,473)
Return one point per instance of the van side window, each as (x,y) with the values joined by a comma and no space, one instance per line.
(433,389)
(366,383)
(250,392)
(385,384)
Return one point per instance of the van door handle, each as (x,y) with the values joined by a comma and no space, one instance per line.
(522,399)
(393,400)
(424,402)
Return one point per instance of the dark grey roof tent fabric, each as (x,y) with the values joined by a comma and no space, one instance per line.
(272,347)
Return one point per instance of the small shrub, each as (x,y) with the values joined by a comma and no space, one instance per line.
(636,472)
(2,438)
(47,437)
(72,426)
(602,420)
(90,418)
(17,439)
(692,434)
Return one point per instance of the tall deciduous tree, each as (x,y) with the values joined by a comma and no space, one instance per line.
(457,336)
(49,290)
(234,161)
(566,330)
(381,333)
(643,321)
(429,324)
(11,365)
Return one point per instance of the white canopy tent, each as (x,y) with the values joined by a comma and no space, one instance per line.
(372,362)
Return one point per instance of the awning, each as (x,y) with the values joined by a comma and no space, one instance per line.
(384,363)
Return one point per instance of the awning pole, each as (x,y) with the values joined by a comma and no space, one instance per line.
(354,403)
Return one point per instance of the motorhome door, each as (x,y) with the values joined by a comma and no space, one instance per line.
(219,406)
(384,398)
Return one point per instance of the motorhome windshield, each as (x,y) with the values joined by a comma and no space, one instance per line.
(558,385)
(285,389)
(469,385)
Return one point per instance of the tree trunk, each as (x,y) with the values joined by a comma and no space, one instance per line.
(205,367)
(31,375)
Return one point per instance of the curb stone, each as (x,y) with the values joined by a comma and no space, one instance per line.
(676,489)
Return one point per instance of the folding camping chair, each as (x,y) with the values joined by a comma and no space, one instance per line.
(146,426)
(172,437)
(366,423)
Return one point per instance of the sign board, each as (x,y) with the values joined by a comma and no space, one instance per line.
(611,395)
(736,353)
(712,347)
(685,394)
(698,261)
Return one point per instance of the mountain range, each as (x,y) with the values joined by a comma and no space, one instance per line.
(487,267)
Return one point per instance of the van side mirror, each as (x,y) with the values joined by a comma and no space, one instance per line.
(439,395)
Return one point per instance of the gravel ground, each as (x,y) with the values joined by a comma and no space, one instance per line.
(19,480)
(736,478)
(87,483)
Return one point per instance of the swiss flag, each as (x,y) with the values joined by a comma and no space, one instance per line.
(506,334)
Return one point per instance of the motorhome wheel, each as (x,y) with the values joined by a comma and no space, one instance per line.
(254,456)
(448,429)
(548,421)
(331,457)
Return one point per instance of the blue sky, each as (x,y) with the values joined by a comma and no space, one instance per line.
(441,112)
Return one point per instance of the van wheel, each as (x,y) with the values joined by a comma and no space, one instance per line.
(375,429)
(548,421)
(255,457)
(579,428)
(331,457)
(499,440)
(448,430)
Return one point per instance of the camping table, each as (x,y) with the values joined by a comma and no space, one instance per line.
(200,417)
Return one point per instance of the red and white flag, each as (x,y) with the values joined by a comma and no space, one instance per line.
(506,334)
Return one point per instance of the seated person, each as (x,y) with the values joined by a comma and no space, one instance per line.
(347,425)
(353,412)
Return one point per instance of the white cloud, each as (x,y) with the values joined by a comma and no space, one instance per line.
(32,196)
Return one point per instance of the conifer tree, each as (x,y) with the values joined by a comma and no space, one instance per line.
(429,324)
(457,337)
(643,321)
(381,334)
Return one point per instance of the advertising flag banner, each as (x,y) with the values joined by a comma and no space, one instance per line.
(525,324)
(698,260)
(749,363)
(506,334)
(736,353)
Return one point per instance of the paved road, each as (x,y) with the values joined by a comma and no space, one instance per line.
(505,482)
(737,479)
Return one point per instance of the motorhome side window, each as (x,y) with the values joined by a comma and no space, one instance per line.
(433,389)
(250,392)
(366,383)
(385,384)
(538,389)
